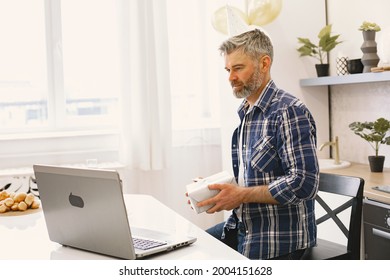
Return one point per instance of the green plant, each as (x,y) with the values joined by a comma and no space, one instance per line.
(373,132)
(326,43)
(367,26)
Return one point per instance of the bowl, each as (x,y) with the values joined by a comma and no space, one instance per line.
(354,66)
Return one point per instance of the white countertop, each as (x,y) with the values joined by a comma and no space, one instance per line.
(24,235)
(371,179)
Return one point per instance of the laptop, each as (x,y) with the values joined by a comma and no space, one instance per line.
(85,209)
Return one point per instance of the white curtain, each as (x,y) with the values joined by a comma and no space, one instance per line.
(158,165)
(146,100)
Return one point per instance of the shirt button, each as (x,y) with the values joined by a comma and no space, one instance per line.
(247,231)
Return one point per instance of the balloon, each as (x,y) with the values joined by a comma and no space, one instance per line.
(264,11)
(261,12)
(219,19)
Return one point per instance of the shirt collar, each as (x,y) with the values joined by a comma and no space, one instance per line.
(263,102)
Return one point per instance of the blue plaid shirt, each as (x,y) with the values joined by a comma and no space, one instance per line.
(278,150)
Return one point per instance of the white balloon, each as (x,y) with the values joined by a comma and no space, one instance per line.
(264,11)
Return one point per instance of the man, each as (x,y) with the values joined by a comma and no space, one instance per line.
(274,160)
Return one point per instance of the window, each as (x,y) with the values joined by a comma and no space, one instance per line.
(60,82)
(23,71)
(194,64)
(63,69)
(91,62)
(59,65)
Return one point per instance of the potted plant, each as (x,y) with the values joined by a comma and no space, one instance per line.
(326,43)
(375,134)
(369,26)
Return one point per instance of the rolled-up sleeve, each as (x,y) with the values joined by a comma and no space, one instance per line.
(296,145)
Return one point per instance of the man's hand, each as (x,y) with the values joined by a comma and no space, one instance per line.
(232,196)
(229,197)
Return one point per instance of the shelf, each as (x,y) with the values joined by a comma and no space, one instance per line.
(346,79)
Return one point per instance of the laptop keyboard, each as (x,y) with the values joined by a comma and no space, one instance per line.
(144,244)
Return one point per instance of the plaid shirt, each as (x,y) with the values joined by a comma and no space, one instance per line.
(278,150)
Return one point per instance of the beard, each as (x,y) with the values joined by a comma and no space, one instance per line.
(249,87)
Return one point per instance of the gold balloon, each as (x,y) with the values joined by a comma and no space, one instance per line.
(263,12)
(219,19)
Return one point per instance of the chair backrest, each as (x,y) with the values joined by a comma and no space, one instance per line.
(351,187)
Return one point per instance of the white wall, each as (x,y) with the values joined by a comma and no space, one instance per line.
(362,102)
(346,17)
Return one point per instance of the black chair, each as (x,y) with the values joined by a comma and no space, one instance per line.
(352,188)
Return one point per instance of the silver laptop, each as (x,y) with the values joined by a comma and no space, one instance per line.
(85,209)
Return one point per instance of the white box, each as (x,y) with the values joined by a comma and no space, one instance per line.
(199,191)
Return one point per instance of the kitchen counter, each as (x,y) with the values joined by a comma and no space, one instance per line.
(371,179)
(24,235)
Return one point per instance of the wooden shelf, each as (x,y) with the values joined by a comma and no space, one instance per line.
(346,79)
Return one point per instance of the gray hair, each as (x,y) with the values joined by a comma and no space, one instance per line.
(254,43)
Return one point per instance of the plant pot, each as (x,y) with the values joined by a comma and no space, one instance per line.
(370,57)
(376,163)
(355,66)
(322,70)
